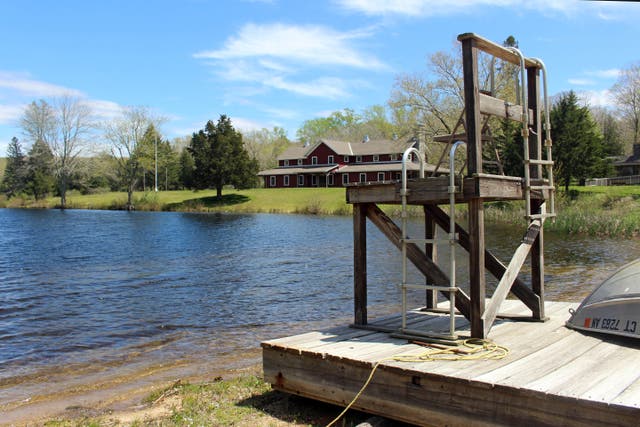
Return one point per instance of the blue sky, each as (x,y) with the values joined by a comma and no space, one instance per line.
(279,63)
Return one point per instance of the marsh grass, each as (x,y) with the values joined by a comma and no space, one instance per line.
(594,211)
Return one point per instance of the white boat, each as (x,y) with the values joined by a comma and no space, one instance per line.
(614,306)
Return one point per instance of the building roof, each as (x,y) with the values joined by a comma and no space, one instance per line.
(383,167)
(297,170)
(344,148)
(294,152)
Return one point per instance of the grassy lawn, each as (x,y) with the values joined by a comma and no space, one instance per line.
(324,201)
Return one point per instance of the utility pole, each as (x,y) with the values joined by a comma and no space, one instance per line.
(156,155)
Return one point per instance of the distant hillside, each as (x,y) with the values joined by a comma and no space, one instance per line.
(3,164)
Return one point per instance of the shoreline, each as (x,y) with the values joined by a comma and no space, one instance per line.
(112,392)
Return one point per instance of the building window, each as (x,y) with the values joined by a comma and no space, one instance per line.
(358,159)
(314,160)
(330,180)
(345,178)
(393,157)
(380,176)
(286,162)
(272,181)
(286,180)
(398,176)
(300,180)
(346,159)
(363,177)
(314,180)
(376,158)
(330,159)
(299,162)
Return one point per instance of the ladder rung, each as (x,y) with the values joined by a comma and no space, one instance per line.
(541,187)
(540,162)
(407,240)
(429,287)
(542,216)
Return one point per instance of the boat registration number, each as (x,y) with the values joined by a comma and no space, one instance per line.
(611,324)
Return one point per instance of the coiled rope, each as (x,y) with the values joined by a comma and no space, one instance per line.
(470,349)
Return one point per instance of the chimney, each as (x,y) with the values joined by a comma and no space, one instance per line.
(636,151)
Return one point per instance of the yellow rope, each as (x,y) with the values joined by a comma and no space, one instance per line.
(470,349)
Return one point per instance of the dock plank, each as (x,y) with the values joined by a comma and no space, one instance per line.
(552,376)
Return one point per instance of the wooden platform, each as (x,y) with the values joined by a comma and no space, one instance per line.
(552,375)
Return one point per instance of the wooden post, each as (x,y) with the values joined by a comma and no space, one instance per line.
(472,106)
(477,279)
(360,263)
(537,265)
(476,207)
(535,152)
(431,250)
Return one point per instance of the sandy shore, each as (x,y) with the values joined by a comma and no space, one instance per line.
(117,392)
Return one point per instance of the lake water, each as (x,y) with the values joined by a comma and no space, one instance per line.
(86,291)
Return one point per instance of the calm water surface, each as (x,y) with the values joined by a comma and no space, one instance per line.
(94,288)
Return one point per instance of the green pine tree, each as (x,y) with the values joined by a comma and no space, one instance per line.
(40,178)
(220,158)
(14,180)
(578,149)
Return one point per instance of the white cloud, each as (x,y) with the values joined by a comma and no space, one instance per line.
(246,125)
(418,8)
(611,73)
(581,82)
(312,44)
(597,98)
(10,114)
(22,84)
(326,87)
(291,58)
(104,110)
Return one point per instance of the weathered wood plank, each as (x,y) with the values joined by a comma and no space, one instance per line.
(500,108)
(427,267)
(509,276)
(473,123)
(495,49)
(360,263)
(577,378)
(493,264)
(477,279)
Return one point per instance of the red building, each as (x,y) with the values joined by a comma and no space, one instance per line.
(337,164)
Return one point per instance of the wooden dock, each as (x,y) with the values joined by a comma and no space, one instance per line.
(552,375)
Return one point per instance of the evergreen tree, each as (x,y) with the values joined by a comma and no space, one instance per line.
(577,142)
(15,173)
(187,167)
(220,158)
(40,178)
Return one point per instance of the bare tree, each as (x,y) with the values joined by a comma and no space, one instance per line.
(627,94)
(64,126)
(126,134)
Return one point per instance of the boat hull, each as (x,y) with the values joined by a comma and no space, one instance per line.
(614,306)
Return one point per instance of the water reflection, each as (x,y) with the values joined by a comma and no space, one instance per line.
(90,288)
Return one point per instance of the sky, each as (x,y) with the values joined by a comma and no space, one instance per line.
(267,63)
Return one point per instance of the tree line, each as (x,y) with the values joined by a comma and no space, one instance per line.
(61,158)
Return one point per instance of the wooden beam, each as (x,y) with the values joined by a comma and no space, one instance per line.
(471,106)
(495,49)
(431,250)
(537,263)
(360,263)
(477,279)
(425,265)
(493,264)
(508,278)
(501,108)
